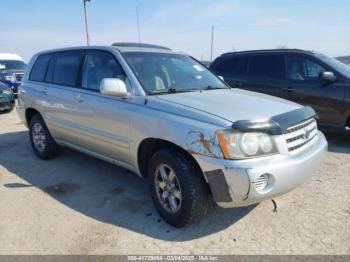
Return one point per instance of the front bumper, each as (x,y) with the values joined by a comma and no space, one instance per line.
(7,103)
(232,182)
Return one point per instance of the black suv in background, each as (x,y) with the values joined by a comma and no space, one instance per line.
(305,77)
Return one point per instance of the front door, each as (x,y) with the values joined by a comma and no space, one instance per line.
(304,86)
(103,120)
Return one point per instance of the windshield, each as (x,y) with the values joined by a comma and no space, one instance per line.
(159,72)
(336,64)
(12,64)
(3,87)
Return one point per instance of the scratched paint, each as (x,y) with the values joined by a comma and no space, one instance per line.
(199,143)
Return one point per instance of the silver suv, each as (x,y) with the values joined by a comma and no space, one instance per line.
(167,118)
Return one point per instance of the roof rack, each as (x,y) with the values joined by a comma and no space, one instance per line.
(268,51)
(141,45)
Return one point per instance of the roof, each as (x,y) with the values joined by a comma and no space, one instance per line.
(278,50)
(10,56)
(140,47)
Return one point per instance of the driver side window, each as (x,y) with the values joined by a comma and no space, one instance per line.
(99,65)
(302,69)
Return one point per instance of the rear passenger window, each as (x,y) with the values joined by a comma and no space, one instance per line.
(99,65)
(267,67)
(39,68)
(66,68)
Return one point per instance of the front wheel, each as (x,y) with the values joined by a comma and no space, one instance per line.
(178,188)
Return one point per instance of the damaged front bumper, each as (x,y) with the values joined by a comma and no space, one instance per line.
(236,183)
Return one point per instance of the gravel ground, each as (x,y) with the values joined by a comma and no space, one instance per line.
(76,204)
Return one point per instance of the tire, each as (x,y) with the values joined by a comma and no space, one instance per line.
(48,148)
(194,190)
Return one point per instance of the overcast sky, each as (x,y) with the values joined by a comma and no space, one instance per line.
(184,25)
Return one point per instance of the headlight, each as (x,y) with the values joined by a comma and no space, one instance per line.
(10,78)
(236,145)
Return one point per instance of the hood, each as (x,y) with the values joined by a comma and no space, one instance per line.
(232,104)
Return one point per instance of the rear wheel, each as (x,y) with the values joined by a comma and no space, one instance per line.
(178,189)
(42,142)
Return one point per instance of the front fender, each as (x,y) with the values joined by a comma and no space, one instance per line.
(194,136)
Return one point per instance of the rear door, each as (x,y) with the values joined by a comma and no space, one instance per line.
(56,91)
(304,86)
(265,74)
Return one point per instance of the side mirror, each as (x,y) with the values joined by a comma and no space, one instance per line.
(328,76)
(113,87)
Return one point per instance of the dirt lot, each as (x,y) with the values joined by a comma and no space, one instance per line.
(76,204)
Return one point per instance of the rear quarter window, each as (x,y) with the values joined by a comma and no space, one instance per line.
(39,68)
(231,66)
(226,65)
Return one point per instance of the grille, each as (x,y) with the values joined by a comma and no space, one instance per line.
(261,182)
(19,77)
(299,136)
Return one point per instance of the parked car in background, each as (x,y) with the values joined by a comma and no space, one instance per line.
(305,77)
(12,68)
(7,98)
(167,118)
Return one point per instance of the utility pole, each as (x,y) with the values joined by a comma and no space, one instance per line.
(138,23)
(212,43)
(86,23)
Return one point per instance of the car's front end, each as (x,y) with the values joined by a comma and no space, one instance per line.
(249,146)
(12,78)
(7,98)
(265,161)
(265,147)
(11,73)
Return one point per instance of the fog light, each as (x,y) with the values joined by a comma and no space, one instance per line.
(262,182)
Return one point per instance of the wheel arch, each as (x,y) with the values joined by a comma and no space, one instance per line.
(29,113)
(149,146)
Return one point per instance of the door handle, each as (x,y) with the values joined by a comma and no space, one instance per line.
(43,90)
(80,98)
(289,89)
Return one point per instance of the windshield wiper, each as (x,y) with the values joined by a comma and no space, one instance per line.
(171,90)
(213,88)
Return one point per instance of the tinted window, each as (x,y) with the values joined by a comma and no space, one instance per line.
(66,68)
(99,65)
(301,68)
(231,66)
(12,65)
(267,67)
(39,69)
(227,65)
(242,67)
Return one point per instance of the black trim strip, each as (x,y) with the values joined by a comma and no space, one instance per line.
(218,185)
(278,124)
